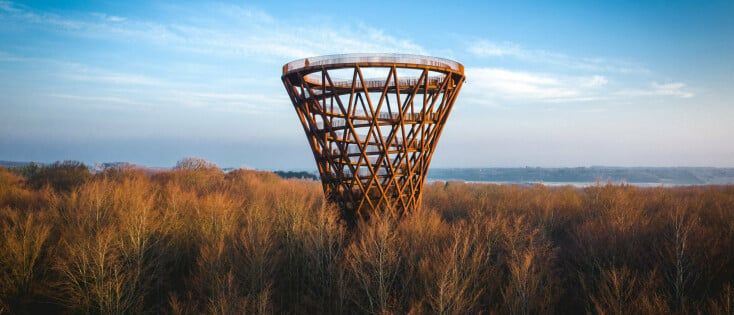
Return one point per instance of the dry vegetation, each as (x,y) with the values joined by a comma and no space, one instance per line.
(196,240)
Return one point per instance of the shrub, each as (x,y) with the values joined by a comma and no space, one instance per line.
(62,176)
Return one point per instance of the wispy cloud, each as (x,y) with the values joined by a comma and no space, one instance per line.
(673,89)
(250,99)
(572,80)
(677,89)
(488,85)
(109,18)
(102,76)
(101,102)
(486,48)
(254,33)
(594,81)
(80,72)
(491,86)
(6,57)
(8,6)
(97,99)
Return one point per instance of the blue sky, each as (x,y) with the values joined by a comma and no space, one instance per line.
(619,83)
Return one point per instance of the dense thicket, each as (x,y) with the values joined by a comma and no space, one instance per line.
(197,240)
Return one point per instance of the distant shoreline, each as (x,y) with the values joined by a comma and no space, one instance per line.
(572,184)
(527,176)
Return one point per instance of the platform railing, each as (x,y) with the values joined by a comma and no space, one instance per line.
(373,83)
(362,172)
(396,143)
(361,117)
(373,58)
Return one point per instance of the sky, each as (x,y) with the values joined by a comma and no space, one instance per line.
(549,83)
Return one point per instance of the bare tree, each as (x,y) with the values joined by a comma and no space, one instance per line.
(194,163)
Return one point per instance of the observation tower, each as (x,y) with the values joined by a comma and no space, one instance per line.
(373,121)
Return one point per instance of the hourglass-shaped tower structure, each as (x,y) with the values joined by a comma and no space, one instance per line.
(373,121)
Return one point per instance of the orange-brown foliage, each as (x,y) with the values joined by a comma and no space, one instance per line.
(202,241)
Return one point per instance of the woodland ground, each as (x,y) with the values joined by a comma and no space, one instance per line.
(196,240)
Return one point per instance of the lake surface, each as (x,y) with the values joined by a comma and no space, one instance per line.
(589,176)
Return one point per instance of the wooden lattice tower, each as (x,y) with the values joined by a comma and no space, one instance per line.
(373,121)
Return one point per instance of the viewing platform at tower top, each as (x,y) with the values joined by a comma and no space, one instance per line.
(374,60)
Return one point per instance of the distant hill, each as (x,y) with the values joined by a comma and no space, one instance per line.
(632,175)
(14,163)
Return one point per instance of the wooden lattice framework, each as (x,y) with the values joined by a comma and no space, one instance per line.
(373,121)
